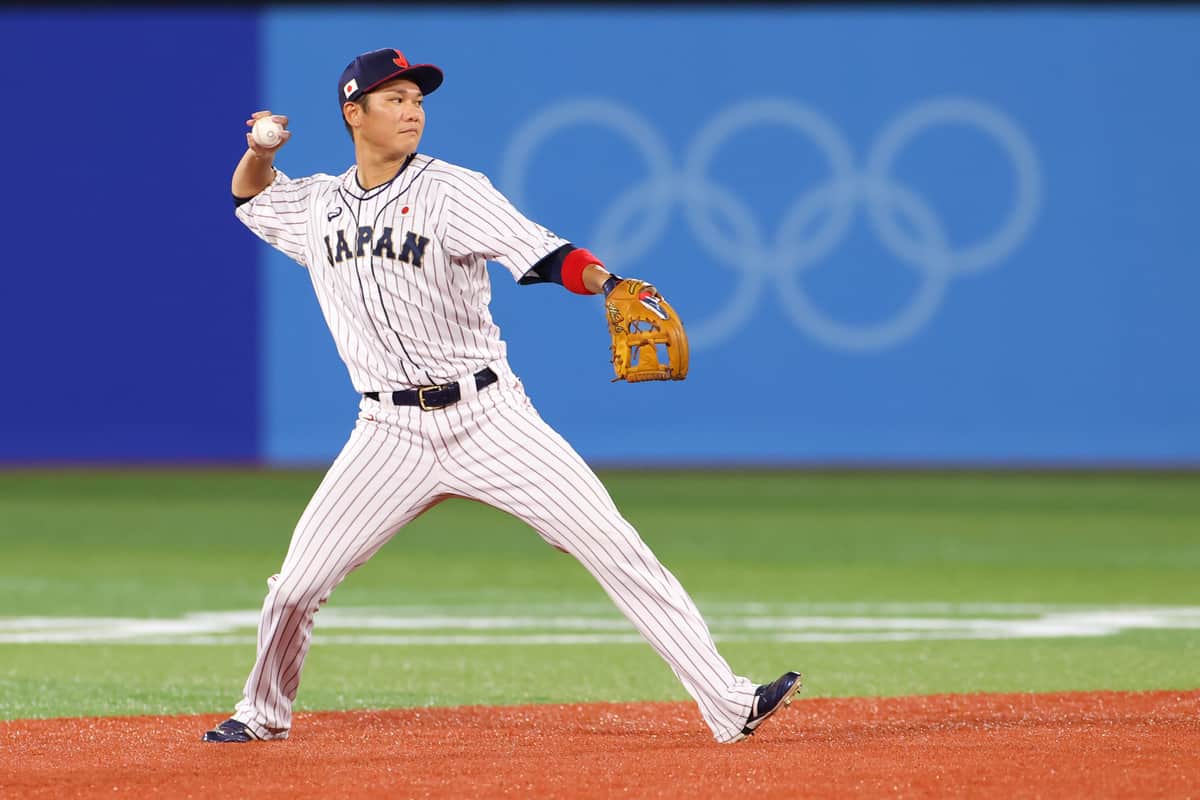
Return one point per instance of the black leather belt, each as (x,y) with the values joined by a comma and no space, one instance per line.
(431,397)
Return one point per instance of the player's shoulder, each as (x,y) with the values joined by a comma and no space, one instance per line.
(447,172)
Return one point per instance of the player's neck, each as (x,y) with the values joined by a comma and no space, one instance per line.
(375,170)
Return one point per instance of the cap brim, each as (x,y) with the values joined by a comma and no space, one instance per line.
(427,77)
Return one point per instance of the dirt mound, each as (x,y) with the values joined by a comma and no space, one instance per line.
(1096,744)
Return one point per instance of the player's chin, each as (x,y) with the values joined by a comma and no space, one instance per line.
(406,142)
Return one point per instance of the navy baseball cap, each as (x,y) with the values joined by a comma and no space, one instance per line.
(369,70)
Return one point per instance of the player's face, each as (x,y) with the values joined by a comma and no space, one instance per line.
(394,118)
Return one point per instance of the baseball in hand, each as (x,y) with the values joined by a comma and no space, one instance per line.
(266,132)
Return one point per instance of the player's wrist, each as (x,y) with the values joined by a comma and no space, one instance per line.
(610,283)
(589,272)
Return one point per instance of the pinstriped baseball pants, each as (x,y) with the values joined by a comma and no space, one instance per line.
(493,447)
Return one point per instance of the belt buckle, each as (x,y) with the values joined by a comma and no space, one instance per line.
(421,397)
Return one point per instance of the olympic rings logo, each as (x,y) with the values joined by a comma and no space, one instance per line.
(778,261)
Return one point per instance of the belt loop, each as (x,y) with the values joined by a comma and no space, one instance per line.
(467,389)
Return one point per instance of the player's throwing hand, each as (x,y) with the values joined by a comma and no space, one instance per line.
(255,138)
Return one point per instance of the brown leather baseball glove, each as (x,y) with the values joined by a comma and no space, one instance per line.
(648,339)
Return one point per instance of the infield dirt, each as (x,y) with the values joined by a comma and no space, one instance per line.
(1093,744)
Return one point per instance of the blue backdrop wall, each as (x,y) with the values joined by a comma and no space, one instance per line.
(897,235)
(130,296)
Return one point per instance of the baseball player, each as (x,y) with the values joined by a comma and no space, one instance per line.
(396,248)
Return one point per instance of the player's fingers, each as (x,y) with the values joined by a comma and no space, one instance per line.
(259,115)
(280,118)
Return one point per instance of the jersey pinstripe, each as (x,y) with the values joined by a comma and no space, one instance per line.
(400,270)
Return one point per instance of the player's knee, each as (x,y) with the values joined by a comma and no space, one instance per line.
(296,593)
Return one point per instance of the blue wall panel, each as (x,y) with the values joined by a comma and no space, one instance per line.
(898,235)
(129,322)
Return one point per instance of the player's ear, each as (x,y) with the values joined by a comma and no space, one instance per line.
(352,113)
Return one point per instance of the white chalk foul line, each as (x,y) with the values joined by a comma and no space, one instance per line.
(581,625)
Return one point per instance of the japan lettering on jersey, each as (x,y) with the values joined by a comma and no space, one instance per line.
(400,270)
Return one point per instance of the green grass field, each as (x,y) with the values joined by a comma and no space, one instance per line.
(872,584)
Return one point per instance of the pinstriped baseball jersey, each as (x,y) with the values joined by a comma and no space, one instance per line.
(400,273)
(400,270)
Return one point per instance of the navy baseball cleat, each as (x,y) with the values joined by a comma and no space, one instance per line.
(769,698)
(230,731)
